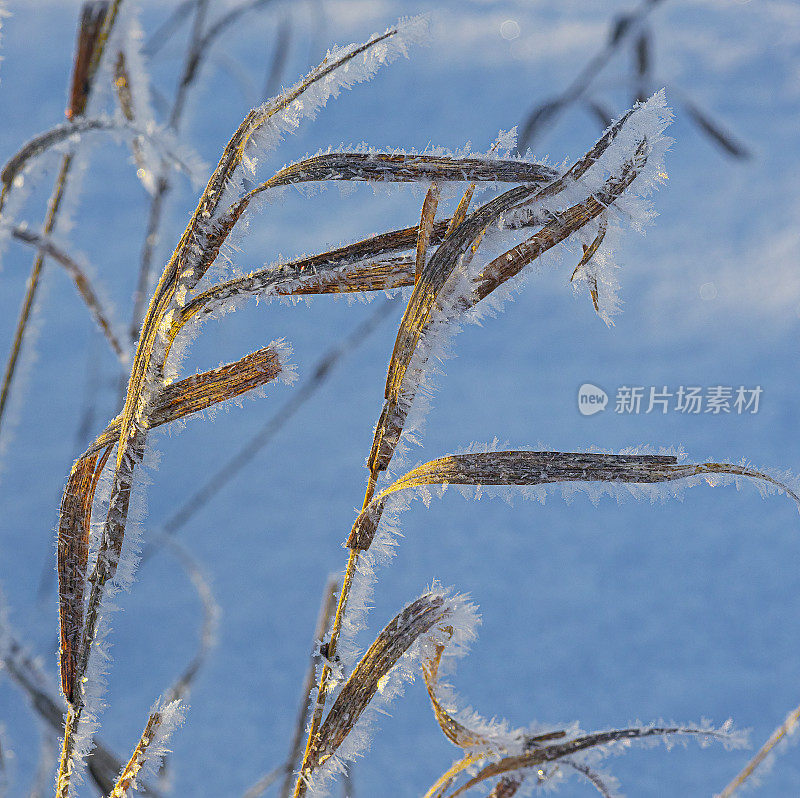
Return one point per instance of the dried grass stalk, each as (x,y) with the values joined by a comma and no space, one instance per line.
(426,295)
(93,17)
(326,610)
(789,726)
(127,779)
(415,620)
(196,251)
(553,753)
(176,401)
(82,283)
(523,468)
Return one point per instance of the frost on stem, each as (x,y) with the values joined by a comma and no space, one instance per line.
(640,473)
(436,618)
(124,69)
(543,756)
(66,138)
(473,271)
(146,759)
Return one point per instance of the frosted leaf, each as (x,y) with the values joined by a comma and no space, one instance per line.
(436,618)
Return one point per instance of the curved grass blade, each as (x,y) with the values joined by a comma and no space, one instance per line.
(201,391)
(523,468)
(402,168)
(407,626)
(456,732)
(176,401)
(553,753)
(422,306)
(73,553)
(82,283)
(307,276)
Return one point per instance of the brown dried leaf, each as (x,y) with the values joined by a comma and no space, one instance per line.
(425,228)
(415,620)
(510,263)
(519,468)
(423,301)
(73,552)
(190,395)
(536,468)
(201,391)
(127,779)
(402,168)
(93,15)
(553,753)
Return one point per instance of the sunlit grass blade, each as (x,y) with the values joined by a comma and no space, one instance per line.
(553,753)
(788,727)
(398,636)
(151,746)
(425,227)
(522,468)
(423,302)
(404,168)
(201,391)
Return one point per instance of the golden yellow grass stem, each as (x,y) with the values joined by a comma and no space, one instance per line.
(127,779)
(323,621)
(438,788)
(67,748)
(324,681)
(787,727)
(33,283)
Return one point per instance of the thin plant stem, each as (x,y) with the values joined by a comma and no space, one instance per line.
(52,209)
(33,283)
(590,71)
(324,681)
(323,622)
(191,64)
(787,727)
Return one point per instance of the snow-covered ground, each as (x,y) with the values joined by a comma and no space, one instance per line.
(603,614)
